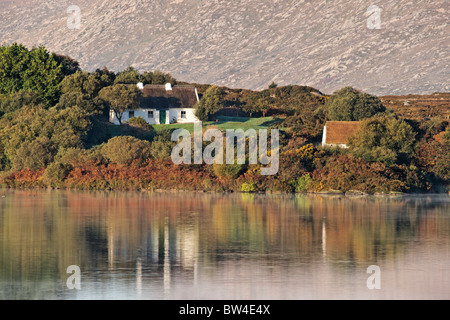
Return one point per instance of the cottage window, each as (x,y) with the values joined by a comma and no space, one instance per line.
(183,114)
(130,114)
(150,115)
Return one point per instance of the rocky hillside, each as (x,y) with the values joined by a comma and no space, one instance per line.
(249,43)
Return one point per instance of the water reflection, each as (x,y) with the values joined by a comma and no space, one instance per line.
(188,246)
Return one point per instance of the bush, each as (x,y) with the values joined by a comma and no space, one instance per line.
(446,136)
(161,149)
(126,149)
(139,122)
(383,139)
(228,171)
(34,155)
(301,184)
(345,173)
(248,187)
(56,172)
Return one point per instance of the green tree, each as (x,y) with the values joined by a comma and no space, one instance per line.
(72,99)
(16,100)
(85,83)
(128,76)
(126,149)
(66,128)
(349,104)
(210,103)
(121,97)
(385,139)
(36,70)
(69,65)
(131,76)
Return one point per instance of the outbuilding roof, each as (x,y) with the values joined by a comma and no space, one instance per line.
(338,132)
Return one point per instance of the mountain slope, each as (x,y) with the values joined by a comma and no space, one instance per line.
(249,43)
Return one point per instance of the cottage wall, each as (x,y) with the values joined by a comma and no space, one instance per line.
(176,114)
(172,116)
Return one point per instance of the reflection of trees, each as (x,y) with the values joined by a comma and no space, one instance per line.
(42,233)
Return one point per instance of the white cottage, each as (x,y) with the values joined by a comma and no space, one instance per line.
(163,104)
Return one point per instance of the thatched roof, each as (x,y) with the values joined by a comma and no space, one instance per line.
(157,97)
(338,132)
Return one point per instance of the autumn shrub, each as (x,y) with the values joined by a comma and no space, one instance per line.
(345,173)
(26,178)
(299,161)
(446,136)
(126,149)
(434,158)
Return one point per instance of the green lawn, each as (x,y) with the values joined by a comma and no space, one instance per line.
(224,123)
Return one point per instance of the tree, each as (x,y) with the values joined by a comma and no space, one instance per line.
(273,85)
(210,103)
(69,65)
(131,76)
(84,82)
(128,76)
(349,104)
(72,99)
(121,97)
(385,139)
(36,70)
(16,100)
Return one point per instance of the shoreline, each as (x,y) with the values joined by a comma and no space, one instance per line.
(330,193)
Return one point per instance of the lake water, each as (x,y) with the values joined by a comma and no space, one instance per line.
(133,245)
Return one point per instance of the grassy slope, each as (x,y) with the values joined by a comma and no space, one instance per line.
(224,123)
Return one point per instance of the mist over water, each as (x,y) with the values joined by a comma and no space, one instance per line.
(133,245)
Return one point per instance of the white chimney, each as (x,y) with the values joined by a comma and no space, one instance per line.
(168,87)
(140,85)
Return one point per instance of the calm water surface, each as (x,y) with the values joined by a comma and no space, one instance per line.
(132,245)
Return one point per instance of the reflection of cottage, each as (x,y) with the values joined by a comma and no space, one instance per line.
(163,104)
(336,133)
